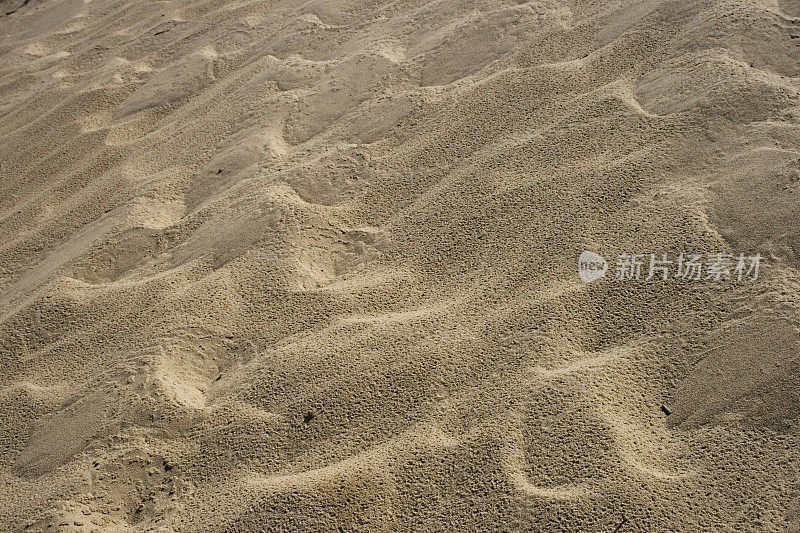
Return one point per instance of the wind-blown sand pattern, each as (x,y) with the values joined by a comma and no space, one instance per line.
(311,266)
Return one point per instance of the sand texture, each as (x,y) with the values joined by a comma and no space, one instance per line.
(311,265)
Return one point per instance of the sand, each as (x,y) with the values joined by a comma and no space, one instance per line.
(311,266)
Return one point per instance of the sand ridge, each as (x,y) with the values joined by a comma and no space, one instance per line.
(311,266)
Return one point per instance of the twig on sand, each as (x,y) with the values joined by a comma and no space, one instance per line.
(619,526)
(23,4)
(698,356)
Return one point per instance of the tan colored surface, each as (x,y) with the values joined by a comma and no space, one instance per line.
(300,266)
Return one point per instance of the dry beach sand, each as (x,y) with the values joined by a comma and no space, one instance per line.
(311,265)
